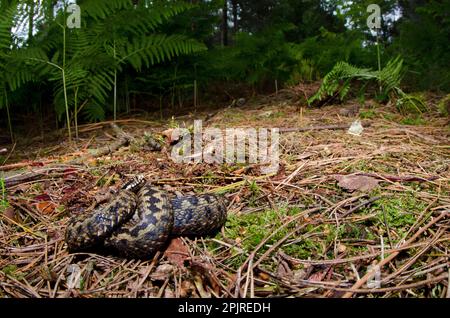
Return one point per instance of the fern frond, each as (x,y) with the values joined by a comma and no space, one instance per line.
(101,9)
(94,112)
(337,82)
(407,103)
(391,75)
(24,65)
(338,79)
(341,72)
(99,84)
(157,48)
(6,24)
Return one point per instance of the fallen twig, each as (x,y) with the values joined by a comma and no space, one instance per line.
(324,127)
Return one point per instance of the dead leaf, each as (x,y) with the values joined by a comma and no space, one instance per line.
(263,276)
(177,252)
(266,114)
(281,175)
(168,132)
(10,213)
(299,275)
(162,272)
(317,277)
(354,182)
(198,281)
(69,172)
(48,274)
(171,136)
(102,198)
(169,293)
(283,269)
(42,197)
(320,275)
(46,207)
(69,190)
(73,276)
(341,248)
(186,289)
(207,271)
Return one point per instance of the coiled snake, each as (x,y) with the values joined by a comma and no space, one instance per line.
(141,218)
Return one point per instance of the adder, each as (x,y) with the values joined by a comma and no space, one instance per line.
(141,218)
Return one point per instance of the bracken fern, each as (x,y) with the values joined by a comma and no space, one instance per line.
(85,64)
(337,83)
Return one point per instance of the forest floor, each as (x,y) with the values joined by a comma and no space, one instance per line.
(344,216)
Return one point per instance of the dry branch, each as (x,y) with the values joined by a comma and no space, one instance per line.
(324,127)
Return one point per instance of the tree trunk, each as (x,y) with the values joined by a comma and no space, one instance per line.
(30,19)
(235,16)
(225,23)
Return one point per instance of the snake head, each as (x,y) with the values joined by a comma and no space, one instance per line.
(135,183)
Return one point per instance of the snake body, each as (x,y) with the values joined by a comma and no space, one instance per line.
(141,218)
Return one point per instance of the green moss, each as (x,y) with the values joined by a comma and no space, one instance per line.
(249,230)
(37,187)
(367,114)
(413,121)
(96,172)
(304,249)
(356,231)
(389,117)
(381,165)
(400,212)
(9,269)
(233,115)
(278,114)
(12,270)
(209,178)
(254,188)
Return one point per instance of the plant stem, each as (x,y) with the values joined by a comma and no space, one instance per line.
(160,107)
(64,84)
(115,95)
(115,84)
(379,59)
(127,95)
(195,94)
(9,116)
(174,86)
(76,113)
(67,105)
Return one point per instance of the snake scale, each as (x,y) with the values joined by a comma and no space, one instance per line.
(141,218)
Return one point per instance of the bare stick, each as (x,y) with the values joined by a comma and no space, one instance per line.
(325,127)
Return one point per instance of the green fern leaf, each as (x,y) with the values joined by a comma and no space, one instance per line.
(94,112)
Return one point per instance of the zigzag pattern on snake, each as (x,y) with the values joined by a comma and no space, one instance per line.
(141,218)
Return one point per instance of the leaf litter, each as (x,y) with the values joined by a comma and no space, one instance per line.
(339,209)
